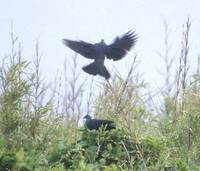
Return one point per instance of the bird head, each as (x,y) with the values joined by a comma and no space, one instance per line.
(87,117)
(103,44)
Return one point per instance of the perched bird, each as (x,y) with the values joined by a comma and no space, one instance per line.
(99,51)
(95,124)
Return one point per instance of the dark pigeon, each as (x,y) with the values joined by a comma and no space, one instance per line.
(116,51)
(95,124)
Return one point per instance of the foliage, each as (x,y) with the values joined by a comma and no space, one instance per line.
(40,132)
(106,149)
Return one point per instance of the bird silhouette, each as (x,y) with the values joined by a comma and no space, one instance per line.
(98,51)
(95,124)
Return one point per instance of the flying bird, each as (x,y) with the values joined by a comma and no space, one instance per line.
(98,51)
(95,124)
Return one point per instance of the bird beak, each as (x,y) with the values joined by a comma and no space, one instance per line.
(84,120)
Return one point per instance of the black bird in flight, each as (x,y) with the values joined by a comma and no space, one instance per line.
(98,51)
(95,124)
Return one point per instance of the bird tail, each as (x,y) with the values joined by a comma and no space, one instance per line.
(94,69)
(91,68)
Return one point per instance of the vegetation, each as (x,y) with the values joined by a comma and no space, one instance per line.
(39,126)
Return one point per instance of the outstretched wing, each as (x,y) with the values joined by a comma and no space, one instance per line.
(81,47)
(120,46)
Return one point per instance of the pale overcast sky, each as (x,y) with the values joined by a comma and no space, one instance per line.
(49,21)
